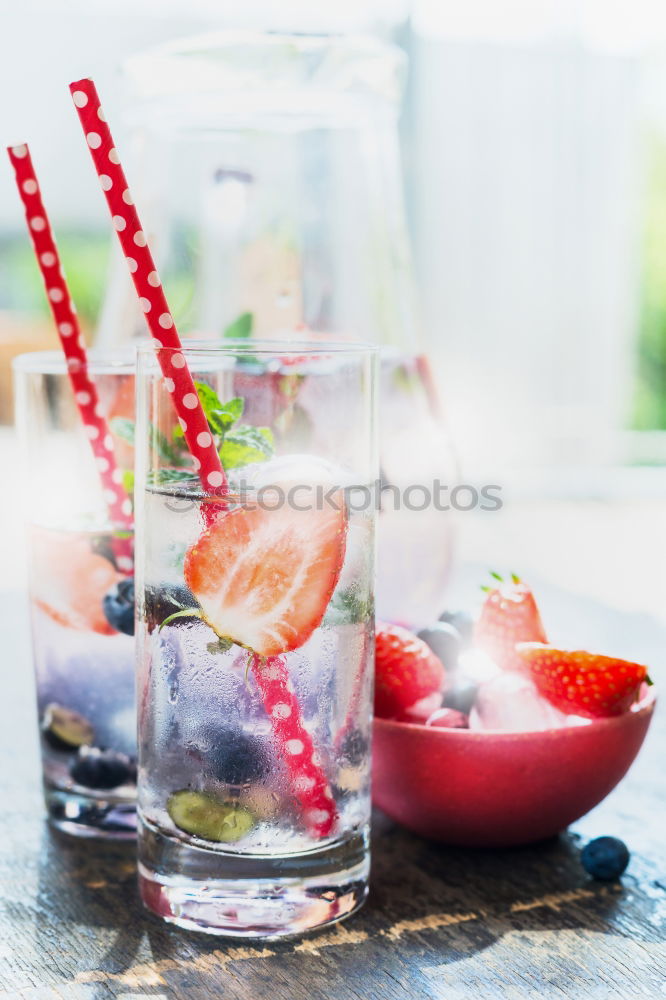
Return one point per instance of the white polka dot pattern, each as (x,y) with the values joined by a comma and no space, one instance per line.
(73,344)
(308,781)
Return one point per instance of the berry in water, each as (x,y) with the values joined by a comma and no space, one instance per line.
(102,769)
(354,748)
(264,577)
(118,605)
(236,757)
(161,602)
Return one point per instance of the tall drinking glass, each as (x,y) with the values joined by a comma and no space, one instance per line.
(255,638)
(81,595)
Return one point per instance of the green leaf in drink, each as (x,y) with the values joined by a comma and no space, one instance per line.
(123,428)
(246,445)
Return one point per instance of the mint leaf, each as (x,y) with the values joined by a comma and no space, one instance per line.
(245,445)
(220,416)
(222,420)
(241,328)
(123,428)
(163,448)
(163,477)
(348,608)
(208,398)
(219,646)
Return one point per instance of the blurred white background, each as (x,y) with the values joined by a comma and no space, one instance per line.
(534,146)
(530,130)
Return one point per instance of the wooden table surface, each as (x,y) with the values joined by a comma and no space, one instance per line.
(439,923)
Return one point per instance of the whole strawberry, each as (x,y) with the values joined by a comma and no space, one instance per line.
(582,683)
(406,670)
(509,615)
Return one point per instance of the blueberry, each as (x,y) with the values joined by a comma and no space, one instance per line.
(461,694)
(445,642)
(160,602)
(237,758)
(103,769)
(605,858)
(354,748)
(462,621)
(118,605)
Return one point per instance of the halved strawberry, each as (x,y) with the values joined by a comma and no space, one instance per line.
(68,580)
(509,615)
(264,577)
(406,671)
(582,683)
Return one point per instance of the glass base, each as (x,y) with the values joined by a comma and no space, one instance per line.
(251,896)
(85,816)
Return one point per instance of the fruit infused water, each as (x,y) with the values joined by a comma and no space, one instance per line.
(255,646)
(82,613)
(81,591)
(414,535)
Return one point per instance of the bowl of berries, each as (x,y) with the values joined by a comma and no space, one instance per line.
(487,735)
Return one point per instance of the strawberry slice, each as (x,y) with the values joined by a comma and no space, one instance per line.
(509,615)
(263,577)
(406,672)
(582,683)
(69,580)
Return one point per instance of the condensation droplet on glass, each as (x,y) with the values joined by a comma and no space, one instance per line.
(173,690)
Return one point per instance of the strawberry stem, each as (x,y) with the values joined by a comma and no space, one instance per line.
(183,613)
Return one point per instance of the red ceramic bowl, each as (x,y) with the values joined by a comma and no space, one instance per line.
(501,789)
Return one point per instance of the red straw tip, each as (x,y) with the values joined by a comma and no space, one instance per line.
(83,92)
(20,150)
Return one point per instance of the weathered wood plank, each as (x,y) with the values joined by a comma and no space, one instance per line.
(440,922)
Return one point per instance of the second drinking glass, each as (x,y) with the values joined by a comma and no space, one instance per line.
(81,592)
(255,638)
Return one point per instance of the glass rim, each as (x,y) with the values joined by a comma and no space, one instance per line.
(277,348)
(101,361)
(168,68)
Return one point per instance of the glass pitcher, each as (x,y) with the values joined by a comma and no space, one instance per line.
(267,169)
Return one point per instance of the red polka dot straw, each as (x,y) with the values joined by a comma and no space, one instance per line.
(73,345)
(308,780)
(152,300)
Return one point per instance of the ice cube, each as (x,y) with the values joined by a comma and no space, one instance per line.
(477,665)
(297,469)
(511,702)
